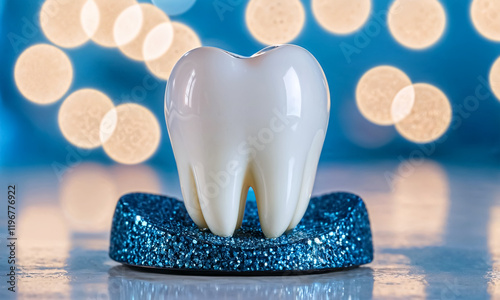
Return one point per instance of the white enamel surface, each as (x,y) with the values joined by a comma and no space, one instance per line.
(238,122)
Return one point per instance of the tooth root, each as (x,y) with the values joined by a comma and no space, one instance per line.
(217,190)
(308,178)
(190,195)
(278,184)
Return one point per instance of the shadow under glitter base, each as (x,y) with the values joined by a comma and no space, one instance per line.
(153,231)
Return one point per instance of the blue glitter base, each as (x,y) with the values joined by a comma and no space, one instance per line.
(157,232)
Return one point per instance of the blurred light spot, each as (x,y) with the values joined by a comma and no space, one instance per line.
(403,103)
(133,25)
(420,204)
(341,16)
(80,117)
(376,91)
(61,22)
(275,21)
(130,133)
(430,115)
(133,179)
(485,16)
(174,7)
(157,41)
(88,198)
(90,17)
(495,78)
(184,39)
(43,73)
(494,247)
(416,24)
(108,12)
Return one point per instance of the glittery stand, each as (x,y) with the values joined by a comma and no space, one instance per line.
(156,232)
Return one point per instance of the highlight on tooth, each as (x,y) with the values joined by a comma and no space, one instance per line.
(274,21)
(43,73)
(240,123)
(416,24)
(341,16)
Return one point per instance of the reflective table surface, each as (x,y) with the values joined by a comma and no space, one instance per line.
(436,232)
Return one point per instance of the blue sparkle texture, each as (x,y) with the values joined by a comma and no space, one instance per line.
(156,231)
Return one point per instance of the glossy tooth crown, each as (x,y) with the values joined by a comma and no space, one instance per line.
(237,122)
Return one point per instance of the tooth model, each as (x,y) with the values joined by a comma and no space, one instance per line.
(235,123)
(239,122)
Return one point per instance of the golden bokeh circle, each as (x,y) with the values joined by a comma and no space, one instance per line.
(61,22)
(184,40)
(485,15)
(430,115)
(376,91)
(109,10)
(133,25)
(341,16)
(43,73)
(80,117)
(416,24)
(130,133)
(495,78)
(275,21)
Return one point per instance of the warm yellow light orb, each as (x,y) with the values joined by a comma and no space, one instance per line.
(134,24)
(430,115)
(341,16)
(184,39)
(130,133)
(495,78)
(61,22)
(376,91)
(416,24)
(275,21)
(80,117)
(43,73)
(109,10)
(485,15)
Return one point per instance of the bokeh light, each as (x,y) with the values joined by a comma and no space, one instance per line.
(130,133)
(184,39)
(43,73)
(80,117)
(158,41)
(341,16)
(403,103)
(485,15)
(430,115)
(416,24)
(133,25)
(61,22)
(108,10)
(174,7)
(136,178)
(495,78)
(275,21)
(87,197)
(376,91)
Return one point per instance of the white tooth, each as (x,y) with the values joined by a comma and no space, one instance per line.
(238,122)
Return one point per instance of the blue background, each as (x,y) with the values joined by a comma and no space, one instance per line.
(29,133)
